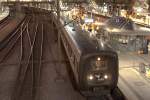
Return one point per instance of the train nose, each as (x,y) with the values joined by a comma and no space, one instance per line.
(97,77)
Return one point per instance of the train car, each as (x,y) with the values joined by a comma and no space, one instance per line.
(94,65)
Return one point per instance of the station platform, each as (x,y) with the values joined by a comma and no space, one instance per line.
(133,85)
(4,14)
(133,59)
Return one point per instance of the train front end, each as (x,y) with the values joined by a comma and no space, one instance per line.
(99,72)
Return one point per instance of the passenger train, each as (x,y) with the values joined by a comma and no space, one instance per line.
(94,65)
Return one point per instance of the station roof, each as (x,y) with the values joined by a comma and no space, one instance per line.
(123,26)
(121,23)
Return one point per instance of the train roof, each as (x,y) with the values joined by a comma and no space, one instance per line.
(123,26)
(121,23)
(87,44)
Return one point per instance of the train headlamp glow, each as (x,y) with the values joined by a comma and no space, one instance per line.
(90,77)
(98,58)
(105,76)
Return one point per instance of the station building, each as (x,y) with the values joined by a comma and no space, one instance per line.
(126,32)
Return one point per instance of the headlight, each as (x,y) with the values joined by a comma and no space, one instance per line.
(90,77)
(98,58)
(97,77)
(105,76)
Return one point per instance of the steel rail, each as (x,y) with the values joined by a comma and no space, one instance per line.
(11,35)
(40,63)
(12,40)
(55,61)
(3,20)
(24,67)
(106,97)
(6,22)
(8,39)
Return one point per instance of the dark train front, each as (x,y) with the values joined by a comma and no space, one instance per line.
(98,66)
(98,73)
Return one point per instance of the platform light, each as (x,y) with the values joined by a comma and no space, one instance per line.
(97,28)
(106,76)
(139,9)
(88,20)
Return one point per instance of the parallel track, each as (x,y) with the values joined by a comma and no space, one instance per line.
(29,38)
(4,23)
(115,95)
(32,42)
(4,20)
(9,43)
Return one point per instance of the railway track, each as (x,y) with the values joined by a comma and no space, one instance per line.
(9,43)
(30,61)
(4,22)
(6,18)
(32,57)
(115,95)
(29,38)
(34,39)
